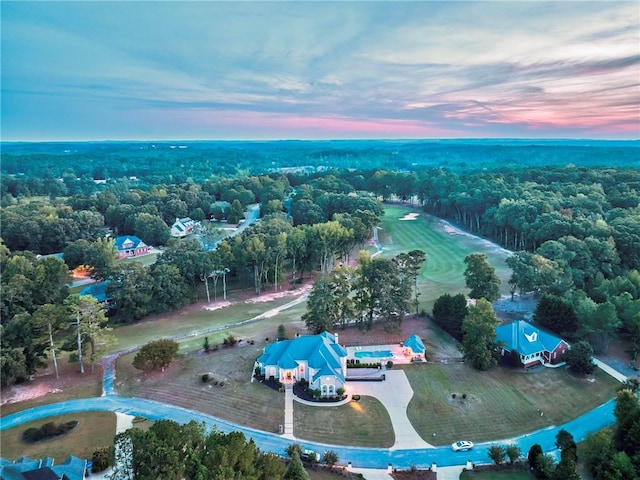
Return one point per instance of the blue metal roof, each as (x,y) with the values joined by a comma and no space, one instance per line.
(135,242)
(320,352)
(526,339)
(98,290)
(414,342)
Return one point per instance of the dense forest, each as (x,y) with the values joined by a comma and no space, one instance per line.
(569,212)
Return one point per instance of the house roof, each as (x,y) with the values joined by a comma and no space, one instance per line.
(414,342)
(526,339)
(320,352)
(98,290)
(128,242)
(73,468)
(44,473)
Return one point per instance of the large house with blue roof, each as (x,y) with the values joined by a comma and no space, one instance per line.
(25,468)
(130,246)
(318,359)
(532,345)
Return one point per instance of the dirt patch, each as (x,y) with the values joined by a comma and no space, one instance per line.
(463,400)
(45,383)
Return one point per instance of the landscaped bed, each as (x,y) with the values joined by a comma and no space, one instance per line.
(94,430)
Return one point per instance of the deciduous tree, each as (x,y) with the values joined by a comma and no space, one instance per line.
(580,358)
(449,312)
(481,277)
(156,355)
(478,335)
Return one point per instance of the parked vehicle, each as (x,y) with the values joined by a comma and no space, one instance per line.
(462,446)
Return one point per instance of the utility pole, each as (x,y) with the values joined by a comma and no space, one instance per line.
(79,343)
(53,352)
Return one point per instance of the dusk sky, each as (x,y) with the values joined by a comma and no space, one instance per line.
(154,70)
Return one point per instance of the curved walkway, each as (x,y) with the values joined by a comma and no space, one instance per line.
(394,393)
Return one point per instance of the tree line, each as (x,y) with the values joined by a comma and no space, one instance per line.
(309,220)
(376,289)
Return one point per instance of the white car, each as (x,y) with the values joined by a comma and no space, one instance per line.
(461,446)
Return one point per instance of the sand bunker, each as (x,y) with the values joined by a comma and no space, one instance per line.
(410,216)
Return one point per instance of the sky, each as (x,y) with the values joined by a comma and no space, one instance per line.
(241,70)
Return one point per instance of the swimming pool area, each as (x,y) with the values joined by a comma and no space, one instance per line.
(374,354)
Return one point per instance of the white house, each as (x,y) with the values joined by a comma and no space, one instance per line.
(182,227)
(319,359)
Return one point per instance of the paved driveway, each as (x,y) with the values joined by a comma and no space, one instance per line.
(394,393)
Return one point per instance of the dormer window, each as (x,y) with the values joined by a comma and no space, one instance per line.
(532,337)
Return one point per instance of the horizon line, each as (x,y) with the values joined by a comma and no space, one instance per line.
(439,139)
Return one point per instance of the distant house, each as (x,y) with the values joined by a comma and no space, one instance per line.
(319,359)
(182,227)
(130,246)
(73,468)
(533,346)
(414,347)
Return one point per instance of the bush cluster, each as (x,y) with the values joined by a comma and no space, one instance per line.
(48,430)
(355,363)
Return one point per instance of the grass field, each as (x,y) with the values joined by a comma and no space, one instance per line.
(94,430)
(238,400)
(444,269)
(500,403)
(365,423)
(190,320)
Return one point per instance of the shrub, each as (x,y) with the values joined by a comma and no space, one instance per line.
(464,396)
(101,459)
(389,364)
(48,430)
(230,341)
(281,335)
(205,377)
(206,345)
(453,395)
(340,391)
(355,397)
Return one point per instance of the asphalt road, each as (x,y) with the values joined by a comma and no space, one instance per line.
(360,457)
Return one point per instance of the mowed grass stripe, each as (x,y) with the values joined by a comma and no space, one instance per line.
(501,403)
(365,423)
(444,269)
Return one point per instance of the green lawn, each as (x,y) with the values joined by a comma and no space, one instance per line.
(500,403)
(190,320)
(94,430)
(365,423)
(239,400)
(444,269)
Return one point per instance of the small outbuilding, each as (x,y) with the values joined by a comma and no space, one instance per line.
(414,347)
